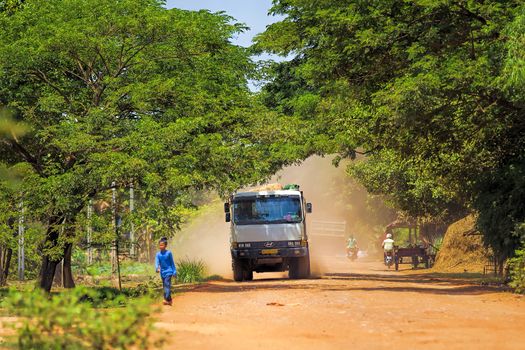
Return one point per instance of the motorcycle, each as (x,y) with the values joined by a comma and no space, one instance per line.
(351,253)
(389,259)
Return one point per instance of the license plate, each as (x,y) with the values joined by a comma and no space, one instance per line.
(270,251)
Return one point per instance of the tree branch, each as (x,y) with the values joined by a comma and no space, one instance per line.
(43,77)
(24,153)
(466,12)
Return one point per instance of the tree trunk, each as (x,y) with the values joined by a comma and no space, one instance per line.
(49,265)
(5,262)
(2,254)
(67,274)
(57,278)
(47,273)
(501,266)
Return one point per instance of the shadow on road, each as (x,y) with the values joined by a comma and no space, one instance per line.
(426,283)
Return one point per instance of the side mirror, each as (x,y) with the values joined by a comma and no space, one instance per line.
(309,207)
(226,207)
(228,217)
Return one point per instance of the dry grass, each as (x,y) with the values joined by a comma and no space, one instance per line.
(462,251)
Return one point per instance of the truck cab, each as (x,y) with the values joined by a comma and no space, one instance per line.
(268,232)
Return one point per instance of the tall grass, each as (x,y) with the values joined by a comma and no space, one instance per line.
(190,270)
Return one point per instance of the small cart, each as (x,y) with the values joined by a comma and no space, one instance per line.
(414,256)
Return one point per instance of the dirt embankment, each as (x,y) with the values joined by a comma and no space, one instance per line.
(462,249)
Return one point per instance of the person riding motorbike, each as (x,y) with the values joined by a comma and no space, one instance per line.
(388,246)
(351,248)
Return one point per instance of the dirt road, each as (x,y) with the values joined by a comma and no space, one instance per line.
(356,306)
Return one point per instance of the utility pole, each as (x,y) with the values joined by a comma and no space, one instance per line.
(114,226)
(132,227)
(21,251)
(89,232)
(115,264)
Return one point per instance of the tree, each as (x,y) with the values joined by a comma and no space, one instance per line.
(7,231)
(419,86)
(10,6)
(129,91)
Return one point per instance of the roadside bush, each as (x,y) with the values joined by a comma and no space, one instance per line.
(110,297)
(126,268)
(517,271)
(190,271)
(69,321)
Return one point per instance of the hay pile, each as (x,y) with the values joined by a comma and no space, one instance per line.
(462,249)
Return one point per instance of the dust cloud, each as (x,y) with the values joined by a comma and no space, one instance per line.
(340,208)
(207,238)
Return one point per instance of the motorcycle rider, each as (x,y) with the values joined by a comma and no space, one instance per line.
(351,246)
(388,245)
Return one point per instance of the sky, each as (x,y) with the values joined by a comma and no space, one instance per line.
(253,13)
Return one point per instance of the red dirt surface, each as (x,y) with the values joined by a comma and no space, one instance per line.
(357,306)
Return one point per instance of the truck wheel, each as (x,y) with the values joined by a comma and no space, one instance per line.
(238,271)
(248,275)
(293,268)
(299,267)
(305,266)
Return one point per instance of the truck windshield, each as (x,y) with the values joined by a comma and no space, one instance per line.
(267,210)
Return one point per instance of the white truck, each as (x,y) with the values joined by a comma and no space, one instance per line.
(268,232)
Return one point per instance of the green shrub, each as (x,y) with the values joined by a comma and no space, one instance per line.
(126,268)
(438,243)
(110,297)
(136,268)
(517,271)
(103,270)
(69,321)
(190,271)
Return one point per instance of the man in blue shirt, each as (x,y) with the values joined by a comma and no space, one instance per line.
(165,265)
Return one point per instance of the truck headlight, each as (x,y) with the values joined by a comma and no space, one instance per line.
(245,245)
(294,244)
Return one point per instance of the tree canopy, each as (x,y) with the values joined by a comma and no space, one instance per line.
(430,91)
(129,92)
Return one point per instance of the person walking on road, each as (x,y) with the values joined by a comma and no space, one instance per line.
(165,265)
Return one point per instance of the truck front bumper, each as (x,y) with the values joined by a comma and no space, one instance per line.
(254,253)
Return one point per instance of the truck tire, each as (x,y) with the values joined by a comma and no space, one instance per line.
(299,267)
(248,275)
(238,271)
(293,268)
(305,267)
